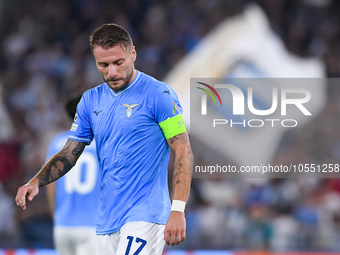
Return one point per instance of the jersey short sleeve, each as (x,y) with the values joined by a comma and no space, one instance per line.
(81,129)
(168,112)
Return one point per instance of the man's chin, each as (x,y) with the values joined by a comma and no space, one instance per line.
(116,86)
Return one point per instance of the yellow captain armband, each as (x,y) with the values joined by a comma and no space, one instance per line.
(173,126)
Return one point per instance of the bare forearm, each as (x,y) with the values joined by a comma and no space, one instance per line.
(182,175)
(60,163)
(50,192)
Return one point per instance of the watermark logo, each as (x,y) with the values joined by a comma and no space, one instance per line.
(239,99)
(243,104)
(204,97)
(247,126)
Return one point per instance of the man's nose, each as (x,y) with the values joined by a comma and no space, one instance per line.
(112,71)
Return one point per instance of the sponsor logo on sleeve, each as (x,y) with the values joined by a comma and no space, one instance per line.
(74,127)
(175,108)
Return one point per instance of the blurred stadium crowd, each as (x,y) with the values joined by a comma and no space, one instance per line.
(45,57)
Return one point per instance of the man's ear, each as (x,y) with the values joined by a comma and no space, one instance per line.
(134,53)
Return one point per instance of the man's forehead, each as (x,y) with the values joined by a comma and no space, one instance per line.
(115,51)
(122,46)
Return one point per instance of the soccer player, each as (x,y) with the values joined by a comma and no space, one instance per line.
(74,198)
(136,121)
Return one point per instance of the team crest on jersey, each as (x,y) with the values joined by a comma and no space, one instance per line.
(129,109)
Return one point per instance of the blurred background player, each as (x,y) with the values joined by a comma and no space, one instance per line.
(73,199)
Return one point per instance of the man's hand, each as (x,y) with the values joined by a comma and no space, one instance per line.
(175,228)
(31,189)
(56,167)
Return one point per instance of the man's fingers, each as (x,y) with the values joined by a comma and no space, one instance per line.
(167,237)
(20,198)
(178,238)
(21,202)
(183,236)
(31,196)
(174,237)
(23,205)
(171,238)
(23,191)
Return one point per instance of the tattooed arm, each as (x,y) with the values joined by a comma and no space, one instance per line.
(176,226)
(55,168)
(180,146)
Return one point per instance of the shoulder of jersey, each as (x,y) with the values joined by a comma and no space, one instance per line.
(95,90)
(157,87)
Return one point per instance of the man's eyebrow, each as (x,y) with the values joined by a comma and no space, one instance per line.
(104,62)
(120,59)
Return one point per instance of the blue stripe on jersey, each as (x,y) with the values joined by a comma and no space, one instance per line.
(131,148)
(77,192)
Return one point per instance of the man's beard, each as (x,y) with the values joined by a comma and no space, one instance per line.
(126,81)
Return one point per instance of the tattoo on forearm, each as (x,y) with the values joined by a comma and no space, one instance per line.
(173,139)
(61,163)
(77,151)
(178,169)
(67,146)
(56,168)
(178,182)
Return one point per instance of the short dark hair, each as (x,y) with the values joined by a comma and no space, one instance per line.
(110,35)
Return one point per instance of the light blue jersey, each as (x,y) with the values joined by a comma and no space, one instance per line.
(131,148)
(77,192)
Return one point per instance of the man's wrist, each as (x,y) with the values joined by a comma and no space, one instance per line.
(33,182)
(178,206)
